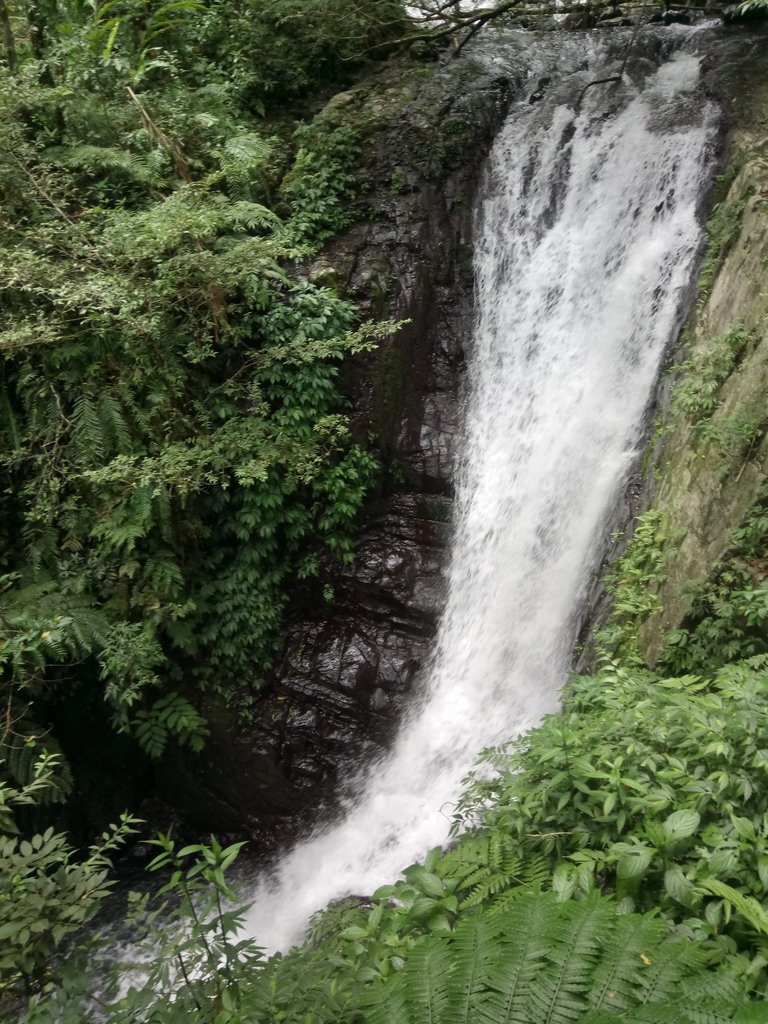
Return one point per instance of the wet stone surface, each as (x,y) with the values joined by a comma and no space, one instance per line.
(349,667)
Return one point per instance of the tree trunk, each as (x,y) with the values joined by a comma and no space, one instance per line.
(8,38)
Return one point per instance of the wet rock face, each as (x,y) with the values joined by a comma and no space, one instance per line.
(348,670)
(413,261)
(349,666)
(346,674)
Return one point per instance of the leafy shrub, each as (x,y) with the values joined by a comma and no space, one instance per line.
(724,227)
(278,50)
(729,612)
(47,891)
(633,583)
(555,963)
(647,787)
(703,375)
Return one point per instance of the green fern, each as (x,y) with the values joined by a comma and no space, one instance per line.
(170,716)
(488,864)
(473,951)
(544,962)
(88,436)
(243,215)
(561,991)
(243,162)
(614,985)
(424,980)
(520,956)
(96,160)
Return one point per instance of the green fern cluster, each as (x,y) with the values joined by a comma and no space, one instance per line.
(489,865)
(633,584)
(613,870)
(647,786)
(572,963)
(639,808)
(703,375)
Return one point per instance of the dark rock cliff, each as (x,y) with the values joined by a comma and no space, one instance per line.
(347,666)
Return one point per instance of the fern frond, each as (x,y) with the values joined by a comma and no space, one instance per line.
(659,984)
(100,159)
(601,1017)
(536,871)
(559,996)
(161,510)
(243,162)
(506,900)
(712,989)
(709,1013)
(522,953)
(544,962)
(385,1004)
(169,716)
(247,151)
(131,520)
(164,576)
(659,1015)
(614,983)
(251,216)
(473,952)
(487,865)
(426,979)
(90,446)
(115,429)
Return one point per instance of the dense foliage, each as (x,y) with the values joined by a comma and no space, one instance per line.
(176,457)
(175,453)
(174,449)
(611,868)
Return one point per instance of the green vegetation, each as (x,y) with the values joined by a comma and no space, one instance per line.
(47,891)
(632,585)
(612,868)
(175,450)
(175,453)
(729,613)
(702,376)
(176,457)
(724,226)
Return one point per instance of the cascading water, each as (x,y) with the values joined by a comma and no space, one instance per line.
(584,249)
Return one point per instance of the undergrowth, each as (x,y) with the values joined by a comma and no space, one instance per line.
(723,228)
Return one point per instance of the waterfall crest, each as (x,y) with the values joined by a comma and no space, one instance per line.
(584,249)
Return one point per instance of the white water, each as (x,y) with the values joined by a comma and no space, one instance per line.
(584,250)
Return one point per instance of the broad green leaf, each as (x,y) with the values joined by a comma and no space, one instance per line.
(633,859)
(681,824)
(678,886)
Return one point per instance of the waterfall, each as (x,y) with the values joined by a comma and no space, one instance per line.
(585,243)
